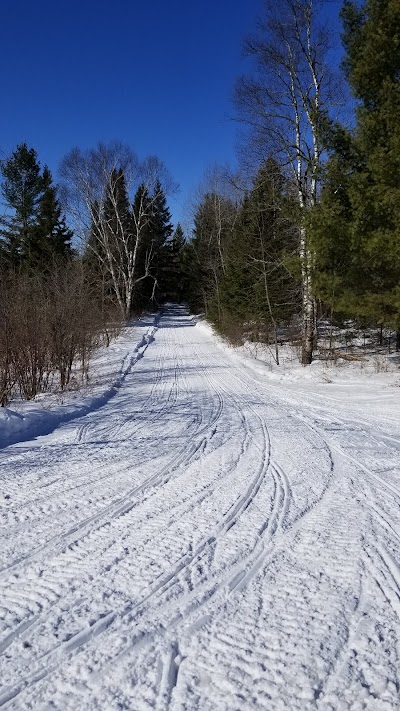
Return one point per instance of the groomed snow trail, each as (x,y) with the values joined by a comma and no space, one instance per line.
(199,543)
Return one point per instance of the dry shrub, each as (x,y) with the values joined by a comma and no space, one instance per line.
(49,324)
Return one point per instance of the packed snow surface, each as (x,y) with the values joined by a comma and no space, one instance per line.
(202,538)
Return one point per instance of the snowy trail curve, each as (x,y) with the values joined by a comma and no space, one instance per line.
(201,542)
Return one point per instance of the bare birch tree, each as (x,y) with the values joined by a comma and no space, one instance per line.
(285,102)
(97,189)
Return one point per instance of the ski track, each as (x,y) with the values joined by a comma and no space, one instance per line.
(200,542)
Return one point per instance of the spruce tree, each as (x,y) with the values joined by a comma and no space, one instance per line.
(22,188)
(357,228)
(161,230)
(153,219)
(142,237)
(160,226)
(173,283)
(35,233)
(258,291)
(213,229)
(238,281)
(49,239)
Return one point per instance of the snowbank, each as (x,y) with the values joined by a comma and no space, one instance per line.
(109,368)
(368,388)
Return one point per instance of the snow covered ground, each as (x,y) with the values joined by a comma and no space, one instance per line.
(207,536)
(108,370)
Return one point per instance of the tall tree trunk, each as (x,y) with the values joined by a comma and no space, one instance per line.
(308,311)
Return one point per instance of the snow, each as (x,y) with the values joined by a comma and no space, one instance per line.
(111,366)
(356,385)
(201,532)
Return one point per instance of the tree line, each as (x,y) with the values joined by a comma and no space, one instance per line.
(66,288)
(316,230)
(308,227)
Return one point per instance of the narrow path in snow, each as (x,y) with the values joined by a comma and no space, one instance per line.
(199,543)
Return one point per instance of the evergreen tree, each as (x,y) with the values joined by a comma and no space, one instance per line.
(22,188)
(161,230)
(178,240)
(213,228)
(141,216)
(35,233)
(154,220)
(357,227)
(117,219)
(237,284)
(49,239)
(173,282)
(161,226)
(258,291)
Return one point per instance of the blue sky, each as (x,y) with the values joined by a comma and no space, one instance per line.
(157,75)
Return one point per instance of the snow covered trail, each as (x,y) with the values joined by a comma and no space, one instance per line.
(200,542)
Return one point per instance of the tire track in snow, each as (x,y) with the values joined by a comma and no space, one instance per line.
(82,638)
(215,416)
(156,624)
(380,567)
(122,504)
(112,512)
(358,667)
(228,521)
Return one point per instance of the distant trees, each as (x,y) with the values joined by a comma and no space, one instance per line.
(214,219)
(243,260)
(318,225)
(49,319)
(313,228)
(154,254)
(118,207)
(174,279)
(57,303)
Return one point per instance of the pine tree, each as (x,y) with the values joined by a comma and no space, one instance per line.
(22,188)
(160,226)
(213,229)
(35,234)
(173,283)
(153,219)
(357,228)
(258,291)
(161,230)
(237,284)
(141,216)
(49,239)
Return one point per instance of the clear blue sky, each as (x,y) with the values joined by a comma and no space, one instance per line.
(157,75)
